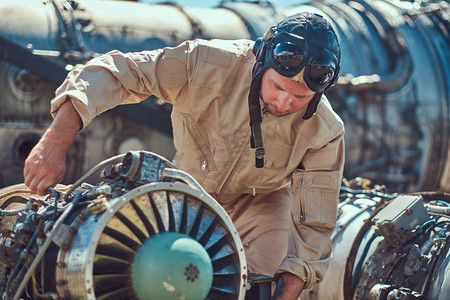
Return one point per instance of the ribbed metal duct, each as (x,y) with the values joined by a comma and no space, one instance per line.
(393,94)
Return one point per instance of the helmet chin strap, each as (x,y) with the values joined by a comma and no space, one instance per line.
(304,25)
(312,106)
(254,105)
(256,119)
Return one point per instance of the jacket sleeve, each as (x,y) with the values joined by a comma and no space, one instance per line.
(315,195)
(118,78)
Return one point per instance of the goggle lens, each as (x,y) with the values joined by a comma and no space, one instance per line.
(287,56)
(288,59)
(321,74)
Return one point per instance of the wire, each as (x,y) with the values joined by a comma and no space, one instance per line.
(92,171)
(56,198)
(443,202)
(425,226)
(46,244)
(19,263)
(347,284)
(357,271)
(368,192)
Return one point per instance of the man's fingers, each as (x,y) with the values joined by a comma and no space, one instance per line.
(27,179)
(31,177)
(39,185)
(44,168)
(30,170)
(32,183)
(40,182)
(27,169)
(43,187)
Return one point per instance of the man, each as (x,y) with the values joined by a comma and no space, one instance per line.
(278,179)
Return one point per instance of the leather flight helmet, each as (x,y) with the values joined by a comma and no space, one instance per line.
(305,44)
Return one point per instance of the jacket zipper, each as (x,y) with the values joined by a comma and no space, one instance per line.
(237,162)
(244,147)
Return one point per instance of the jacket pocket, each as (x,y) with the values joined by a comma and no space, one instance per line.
(315,197)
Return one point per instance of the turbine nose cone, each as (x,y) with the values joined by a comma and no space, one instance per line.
(172,265)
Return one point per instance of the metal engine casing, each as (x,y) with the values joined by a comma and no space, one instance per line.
(388,246)
(80,242)
(81,266)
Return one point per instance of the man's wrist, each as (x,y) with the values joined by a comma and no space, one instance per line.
(289,286)
(65,126)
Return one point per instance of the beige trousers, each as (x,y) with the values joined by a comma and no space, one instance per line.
(262,222)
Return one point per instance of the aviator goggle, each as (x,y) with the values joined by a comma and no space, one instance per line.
(289,54)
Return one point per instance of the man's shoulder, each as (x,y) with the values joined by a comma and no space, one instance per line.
(238,48)
(323,126)
(325,113)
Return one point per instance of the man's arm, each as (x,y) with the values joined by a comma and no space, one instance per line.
(289,287)
(315,196)
(46,163)
(102,83)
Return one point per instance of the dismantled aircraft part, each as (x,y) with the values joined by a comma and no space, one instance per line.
(389,246)
(95,242)
(84,241)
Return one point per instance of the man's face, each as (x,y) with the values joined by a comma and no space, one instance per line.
(282,95)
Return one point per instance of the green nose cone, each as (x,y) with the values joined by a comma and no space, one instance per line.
(172,265)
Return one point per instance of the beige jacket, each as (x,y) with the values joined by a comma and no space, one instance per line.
(208,83)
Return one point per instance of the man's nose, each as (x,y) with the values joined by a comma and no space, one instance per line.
(283,101)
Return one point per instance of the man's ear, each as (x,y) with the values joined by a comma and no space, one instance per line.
(257,47)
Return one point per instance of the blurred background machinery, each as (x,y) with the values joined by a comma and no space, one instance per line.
(393,93)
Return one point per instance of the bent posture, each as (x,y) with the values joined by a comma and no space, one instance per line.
(278,178)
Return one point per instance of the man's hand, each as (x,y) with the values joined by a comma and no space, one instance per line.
(46,163)
(45,166)
(289,287)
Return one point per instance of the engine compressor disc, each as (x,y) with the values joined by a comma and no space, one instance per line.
(99,262)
